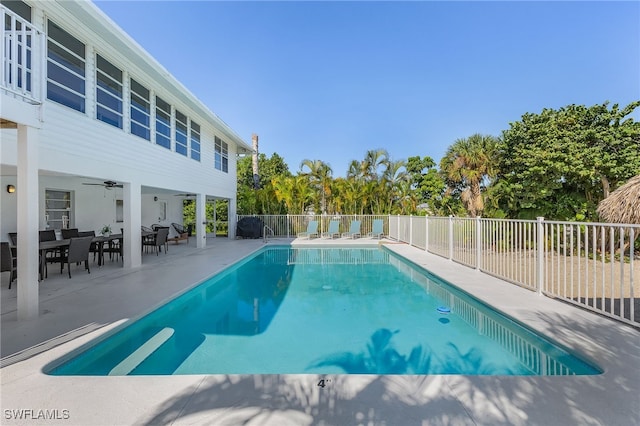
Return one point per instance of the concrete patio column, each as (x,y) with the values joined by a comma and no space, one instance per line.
(132,206)
(232,218)
(28,211)
(201,218)
(215,218)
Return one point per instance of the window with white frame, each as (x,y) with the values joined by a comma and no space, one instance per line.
(58,211)
(65,68)
(222,155)
(195,141)
(108,92)
(140,110)
(181,133)
(163,123)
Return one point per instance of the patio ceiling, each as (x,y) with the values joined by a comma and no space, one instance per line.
(11,170)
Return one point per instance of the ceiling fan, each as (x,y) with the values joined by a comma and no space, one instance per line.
(108,184)
(185,195)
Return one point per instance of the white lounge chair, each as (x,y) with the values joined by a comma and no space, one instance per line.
(354,230)
(377,230)
(312,230)
(334,229)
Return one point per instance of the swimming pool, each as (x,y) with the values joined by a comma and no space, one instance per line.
(333,310)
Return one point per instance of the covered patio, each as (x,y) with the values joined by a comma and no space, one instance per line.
(89,203)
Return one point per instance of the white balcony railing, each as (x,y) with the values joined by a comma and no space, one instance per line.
(23,52)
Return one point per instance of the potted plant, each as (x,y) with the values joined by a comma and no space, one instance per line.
(106,231)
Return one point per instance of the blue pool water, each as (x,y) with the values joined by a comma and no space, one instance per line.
(324,310)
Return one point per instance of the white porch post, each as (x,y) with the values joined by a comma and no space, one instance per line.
(201,218)
(28,210)
(215,218)
(132,205)
(232,218)
(540,228)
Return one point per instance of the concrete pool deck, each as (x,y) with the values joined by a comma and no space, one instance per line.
(73,312)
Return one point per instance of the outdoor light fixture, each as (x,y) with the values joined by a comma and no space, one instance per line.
(11,189)
(155,198)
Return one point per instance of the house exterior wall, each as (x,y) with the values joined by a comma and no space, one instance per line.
(75,143)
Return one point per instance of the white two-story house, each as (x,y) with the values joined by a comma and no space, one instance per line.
(81,104)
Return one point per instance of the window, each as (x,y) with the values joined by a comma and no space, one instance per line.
(195,141)
(119,211)
(163,123)
(140,111)
(19,8)
(162,211)
(108,92)
(181,133)
(58,210)
(65,68)
(222,155)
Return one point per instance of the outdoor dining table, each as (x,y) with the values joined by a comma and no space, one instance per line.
(45,246)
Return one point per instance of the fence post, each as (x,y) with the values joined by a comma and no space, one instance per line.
(478,243)
(411,230)
(399,238)
(540,255)
(288,222)
(426,233)
(450,237)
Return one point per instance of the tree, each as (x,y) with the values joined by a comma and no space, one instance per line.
(468,165)
(393,179)
(426,182)
(561,163)
(319,174)
(268,167)
(260,201)
(294,191)
(373,160)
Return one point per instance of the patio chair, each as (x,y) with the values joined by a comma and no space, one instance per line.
(69,233)
(334,229)
(8,262)
(377,229)
(312,230)
(95,247)
(114,246)
(53,255)
(78,251)
(354,230)
(159,240)
(148,239)
(183,233)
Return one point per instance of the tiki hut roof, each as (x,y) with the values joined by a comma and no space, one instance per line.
(623,204)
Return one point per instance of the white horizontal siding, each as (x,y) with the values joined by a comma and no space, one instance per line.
(76,143)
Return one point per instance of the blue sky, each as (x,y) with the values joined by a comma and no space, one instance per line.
(331,80)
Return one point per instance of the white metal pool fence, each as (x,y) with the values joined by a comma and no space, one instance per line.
(592,265)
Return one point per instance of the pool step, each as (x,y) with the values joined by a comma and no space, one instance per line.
(128,364)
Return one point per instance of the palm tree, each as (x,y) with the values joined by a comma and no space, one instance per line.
(283,187)
(373,159)
(392,178)
(294,191)
(355,170)
(469,163)
(319,173)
